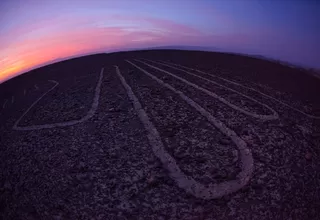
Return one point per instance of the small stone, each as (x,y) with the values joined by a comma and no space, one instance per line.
(259,181)
(7,185)
(258,186)
(315,135)
(81,176)
(235,155)
(169,132)
(180,155)
(87,186)
(81,165)
(114,110)
(224,141)
(151,179)
(308,156)
(113,155)
(201,160)
(57,217)
(220,175)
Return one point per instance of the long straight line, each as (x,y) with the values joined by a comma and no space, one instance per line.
(272,116)
(243,86)
(4,104)
(220,85)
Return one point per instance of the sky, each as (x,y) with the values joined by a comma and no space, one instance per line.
(34,33)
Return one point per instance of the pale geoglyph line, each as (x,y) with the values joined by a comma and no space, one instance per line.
(208,80)
(247,87)
(185,182)
(36,87)
(273,116)
(4,104)
(12,99)
(90,113)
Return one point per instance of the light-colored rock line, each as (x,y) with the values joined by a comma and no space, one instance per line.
(185,182)
(4,104)
(272,116)
(90,113)
(12,99)
(247,87)
(36,87)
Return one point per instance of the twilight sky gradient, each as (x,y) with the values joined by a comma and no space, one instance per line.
(37,32)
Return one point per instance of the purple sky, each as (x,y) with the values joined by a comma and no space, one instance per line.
(36,32)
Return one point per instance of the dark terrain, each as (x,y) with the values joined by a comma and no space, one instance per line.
(218,136)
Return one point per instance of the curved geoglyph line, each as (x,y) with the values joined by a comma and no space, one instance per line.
(272,116)
(247,87)
(90,113)
(185,182)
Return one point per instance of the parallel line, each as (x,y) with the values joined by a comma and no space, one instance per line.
(273,116)
(247,87)
(185,182)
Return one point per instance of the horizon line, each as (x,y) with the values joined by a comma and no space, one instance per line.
(175,47)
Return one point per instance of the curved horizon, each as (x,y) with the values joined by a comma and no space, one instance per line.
(37,33)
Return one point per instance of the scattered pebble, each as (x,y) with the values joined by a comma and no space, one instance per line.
(7,185)
(308,156)
(224,141)
(235,155)
(151,179)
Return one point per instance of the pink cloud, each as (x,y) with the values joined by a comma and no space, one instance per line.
(159,23)
(48,39)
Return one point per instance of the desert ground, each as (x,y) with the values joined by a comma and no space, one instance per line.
(160,134)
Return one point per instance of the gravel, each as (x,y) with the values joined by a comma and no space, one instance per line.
(105,167)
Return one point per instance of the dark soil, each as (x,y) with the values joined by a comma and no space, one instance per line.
(105,168)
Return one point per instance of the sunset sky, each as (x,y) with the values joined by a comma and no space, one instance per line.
(37,32)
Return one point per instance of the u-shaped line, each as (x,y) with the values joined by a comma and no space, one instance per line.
(185,182)
(90,113)
(247,87)
(273,116)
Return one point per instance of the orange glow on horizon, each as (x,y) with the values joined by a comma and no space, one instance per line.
(31,53)
(28,47)
(36,33)
(35,59)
